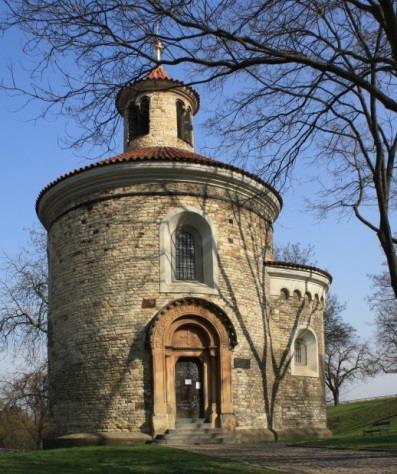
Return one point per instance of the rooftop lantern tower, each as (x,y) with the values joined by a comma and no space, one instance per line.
(157,110)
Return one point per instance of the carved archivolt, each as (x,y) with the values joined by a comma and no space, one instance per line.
(198,306)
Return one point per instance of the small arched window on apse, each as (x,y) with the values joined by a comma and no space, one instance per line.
(188,262)
(297,295)
(184,122)
(187,252)
(305,353)
(139,118)
(284,294)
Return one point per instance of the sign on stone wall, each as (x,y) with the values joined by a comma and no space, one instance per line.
(242,363)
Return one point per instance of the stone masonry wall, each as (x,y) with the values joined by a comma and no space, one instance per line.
(300,402)
(104,261)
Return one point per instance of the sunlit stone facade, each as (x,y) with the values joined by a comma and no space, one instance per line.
(126,326)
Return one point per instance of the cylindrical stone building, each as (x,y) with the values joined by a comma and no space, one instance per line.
(167,311)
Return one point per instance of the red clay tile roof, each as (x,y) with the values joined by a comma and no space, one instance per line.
(299,266)
(159,153)
(158,73)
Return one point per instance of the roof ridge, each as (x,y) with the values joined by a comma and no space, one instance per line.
(285,263)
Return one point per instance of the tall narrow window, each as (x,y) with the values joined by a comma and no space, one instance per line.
(179,117)
(300,353)
(138,118)
(187,124)
(185,256)
(184,121)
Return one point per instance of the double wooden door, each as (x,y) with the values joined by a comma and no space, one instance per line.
(189,388)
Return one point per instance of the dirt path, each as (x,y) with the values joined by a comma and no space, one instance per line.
(305,460)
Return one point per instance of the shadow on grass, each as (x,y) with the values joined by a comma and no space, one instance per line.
(119,460)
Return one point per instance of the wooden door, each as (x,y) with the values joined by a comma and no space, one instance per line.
(189,388)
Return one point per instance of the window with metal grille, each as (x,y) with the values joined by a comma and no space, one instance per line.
(300,353)
(185,256)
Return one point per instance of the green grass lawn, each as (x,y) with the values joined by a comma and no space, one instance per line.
(347,422)
(120,460)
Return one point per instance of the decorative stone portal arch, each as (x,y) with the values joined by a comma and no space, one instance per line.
(192,329)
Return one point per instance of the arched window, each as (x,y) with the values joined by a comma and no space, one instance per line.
(305,353)
(184,121)
(138,118)
(188,260)
(187,252)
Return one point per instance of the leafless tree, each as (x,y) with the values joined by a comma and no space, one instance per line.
(313,77)
(346,358)
(23,329)
(384,305)
(15,429)
(27,393)
(24,299)
(295,252)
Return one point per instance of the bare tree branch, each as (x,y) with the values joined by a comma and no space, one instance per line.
(309,78)
(24,298)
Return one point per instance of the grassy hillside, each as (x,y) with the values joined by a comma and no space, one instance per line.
(347,422)
(352,418)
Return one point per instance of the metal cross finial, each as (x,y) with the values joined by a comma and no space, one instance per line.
(158,47)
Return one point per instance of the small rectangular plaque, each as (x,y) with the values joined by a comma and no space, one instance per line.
(197,385)
(148,302)
(188,381)
(242,363)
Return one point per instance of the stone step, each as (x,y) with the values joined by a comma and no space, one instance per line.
(185,442)
(209,435)
(187,422)
(195,439)
(189,430)
(194,432)
(196,436)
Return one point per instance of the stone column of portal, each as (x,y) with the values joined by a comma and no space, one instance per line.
(228,418)
(160,416)
(213,387)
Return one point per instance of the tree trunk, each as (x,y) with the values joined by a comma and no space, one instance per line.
(386,241)
(385,235)
(335,395)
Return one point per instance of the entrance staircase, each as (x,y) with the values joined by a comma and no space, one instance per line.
(189,431)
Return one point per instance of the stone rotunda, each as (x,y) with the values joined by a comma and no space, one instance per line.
(165,301)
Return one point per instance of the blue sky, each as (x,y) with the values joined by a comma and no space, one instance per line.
(32,156)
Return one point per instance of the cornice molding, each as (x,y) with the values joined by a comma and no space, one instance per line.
(294,277)
(77,189)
